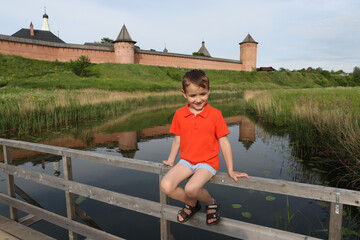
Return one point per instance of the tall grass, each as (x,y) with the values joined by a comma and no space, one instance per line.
(323,122)
(26,111)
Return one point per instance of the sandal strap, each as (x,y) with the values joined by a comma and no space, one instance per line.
(213,206)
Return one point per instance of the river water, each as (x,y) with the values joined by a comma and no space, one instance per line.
(143,134)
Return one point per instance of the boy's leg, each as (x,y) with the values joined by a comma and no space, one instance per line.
(170,184)
(195,186)
(195,189)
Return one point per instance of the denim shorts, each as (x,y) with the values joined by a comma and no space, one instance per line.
(197,166)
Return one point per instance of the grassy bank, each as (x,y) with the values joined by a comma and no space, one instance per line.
(16,71)
(323,122)
(36,110)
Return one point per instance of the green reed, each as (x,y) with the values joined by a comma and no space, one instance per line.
(34,111)
(322,122)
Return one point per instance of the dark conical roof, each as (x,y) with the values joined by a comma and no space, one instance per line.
(124,36)
(45,16)
(249,39)
(204,50)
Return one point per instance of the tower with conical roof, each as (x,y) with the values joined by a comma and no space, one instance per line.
(45,25)
(248,51)
(203,50)
(124,47)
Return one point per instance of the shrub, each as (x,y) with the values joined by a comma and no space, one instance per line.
(81,66)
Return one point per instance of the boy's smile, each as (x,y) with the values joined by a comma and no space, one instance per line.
(197,97)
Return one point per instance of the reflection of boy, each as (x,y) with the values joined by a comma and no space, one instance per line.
(199,129)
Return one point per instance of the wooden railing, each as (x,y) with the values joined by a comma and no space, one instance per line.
(337,197)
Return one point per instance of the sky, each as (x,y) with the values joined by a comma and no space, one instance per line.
(292,34)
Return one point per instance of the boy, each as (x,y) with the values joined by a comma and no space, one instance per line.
(199,130)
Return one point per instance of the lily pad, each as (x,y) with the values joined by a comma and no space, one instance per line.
(251,191)
(270,198)
(246,214)
(236,205)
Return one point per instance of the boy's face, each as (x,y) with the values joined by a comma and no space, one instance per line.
(197,97)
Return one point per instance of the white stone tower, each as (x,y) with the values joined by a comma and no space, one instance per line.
(45,25)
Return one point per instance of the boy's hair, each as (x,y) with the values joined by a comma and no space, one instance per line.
(197,77)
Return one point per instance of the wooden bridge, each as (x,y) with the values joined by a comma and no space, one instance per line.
(164,211)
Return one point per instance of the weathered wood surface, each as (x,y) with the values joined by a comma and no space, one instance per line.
(304,190)
(17,231)
(69,197)
(335,222)
(151,208)
(57,219)
(164,224)
(10,184)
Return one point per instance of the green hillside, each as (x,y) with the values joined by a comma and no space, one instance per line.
(20,72)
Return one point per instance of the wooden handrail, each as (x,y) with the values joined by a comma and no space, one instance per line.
(166,212)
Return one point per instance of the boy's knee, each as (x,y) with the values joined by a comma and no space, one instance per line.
(191,191)
(166,187)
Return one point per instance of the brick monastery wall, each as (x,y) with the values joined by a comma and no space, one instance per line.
(53,51)
(41,50)
(179,60)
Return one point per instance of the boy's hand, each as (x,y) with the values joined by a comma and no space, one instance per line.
(235,175)
(168,163)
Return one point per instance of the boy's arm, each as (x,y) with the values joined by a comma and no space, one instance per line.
(227,152)
(175,147)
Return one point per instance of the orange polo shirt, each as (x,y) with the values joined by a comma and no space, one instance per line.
(199,135)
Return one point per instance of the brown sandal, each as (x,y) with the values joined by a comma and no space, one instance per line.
(214,215)
(187,216)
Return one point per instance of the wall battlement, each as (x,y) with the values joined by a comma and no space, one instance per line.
(123,51)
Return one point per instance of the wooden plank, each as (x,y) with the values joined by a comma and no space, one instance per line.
(69,197)
(164,224)
(234,228)
(29,220)
(261,184)
(19,231)
(57,219)
(348,197)
(10,184)
(113,198)
(148,207)
(335,221)
(135,164)
(31,146)
(317,192)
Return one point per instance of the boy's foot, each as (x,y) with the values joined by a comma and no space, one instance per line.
(212,216)
(187,212)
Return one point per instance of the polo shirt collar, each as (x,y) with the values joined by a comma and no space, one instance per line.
(204,113)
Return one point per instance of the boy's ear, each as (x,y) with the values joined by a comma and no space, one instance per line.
(183,92)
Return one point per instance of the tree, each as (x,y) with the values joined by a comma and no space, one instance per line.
(106,40)
(81,66)
(356,75)
(198,54)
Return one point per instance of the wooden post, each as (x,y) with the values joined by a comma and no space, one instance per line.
(69,197)
(10,183)
(164,224)
(335,222)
